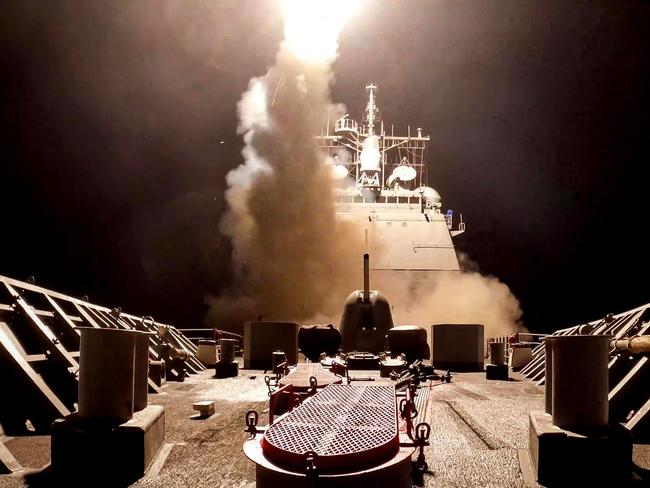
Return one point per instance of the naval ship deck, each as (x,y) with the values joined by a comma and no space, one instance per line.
(479,434)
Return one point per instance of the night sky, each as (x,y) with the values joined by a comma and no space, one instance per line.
(113,113)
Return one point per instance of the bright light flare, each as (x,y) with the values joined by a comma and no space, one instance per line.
(370,156)
(312,27)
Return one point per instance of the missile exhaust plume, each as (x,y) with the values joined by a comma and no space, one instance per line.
(292,259)
(312,27)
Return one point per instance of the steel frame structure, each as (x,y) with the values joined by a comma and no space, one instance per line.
(348,135)
(39,351)
(629,375)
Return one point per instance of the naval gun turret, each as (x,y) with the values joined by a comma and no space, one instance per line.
(366,317)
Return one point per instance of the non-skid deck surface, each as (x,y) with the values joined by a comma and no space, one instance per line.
(479,432)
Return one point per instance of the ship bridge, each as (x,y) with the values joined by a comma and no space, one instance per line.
(382,185)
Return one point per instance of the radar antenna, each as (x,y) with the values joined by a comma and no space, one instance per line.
(378,157)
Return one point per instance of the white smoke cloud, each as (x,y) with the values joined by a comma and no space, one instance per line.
(292,257)
(465,297)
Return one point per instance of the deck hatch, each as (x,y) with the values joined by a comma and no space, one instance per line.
(346,426)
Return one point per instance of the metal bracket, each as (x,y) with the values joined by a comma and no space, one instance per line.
(251,423)
(267,381)
(281,370)
(407,409)
(313,383)
(148,323)
(311,465)
(356,378)
(285,392)
(419,467)
(447,377)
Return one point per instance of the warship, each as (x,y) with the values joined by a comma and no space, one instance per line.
(383,188)
(95,396)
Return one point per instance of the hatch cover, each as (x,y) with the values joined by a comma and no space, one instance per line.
(348,427)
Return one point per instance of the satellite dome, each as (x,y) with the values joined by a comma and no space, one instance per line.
(402,173)
(430,195)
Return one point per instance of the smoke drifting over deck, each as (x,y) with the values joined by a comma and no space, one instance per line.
(465,297)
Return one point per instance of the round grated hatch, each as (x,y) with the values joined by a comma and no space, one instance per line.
(348,427)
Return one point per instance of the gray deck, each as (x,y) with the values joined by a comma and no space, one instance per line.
(479,434)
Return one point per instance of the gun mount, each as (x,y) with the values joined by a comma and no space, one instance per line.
(366,317)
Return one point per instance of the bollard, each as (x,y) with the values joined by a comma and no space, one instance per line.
(207,352)
(141,371)
(106,374)
(157,372)
(580,382)
(226,367)
(227,347)
(498,353)
(574,445)
(278,358)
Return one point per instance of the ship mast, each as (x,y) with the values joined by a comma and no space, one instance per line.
(379,160)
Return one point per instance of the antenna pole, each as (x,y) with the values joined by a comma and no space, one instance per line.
(366,277)
(371,108)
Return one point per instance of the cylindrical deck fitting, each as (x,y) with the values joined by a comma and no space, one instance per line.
(106,374)
(458,347)
(227,347)
(366,277)
(174,353)
(278,357)
(141,372)
(206,352)
(498,353)
(635,344)
(580,382)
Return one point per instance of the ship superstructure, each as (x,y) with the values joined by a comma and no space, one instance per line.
(382,185)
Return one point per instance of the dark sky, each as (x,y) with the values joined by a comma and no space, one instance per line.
(112,171)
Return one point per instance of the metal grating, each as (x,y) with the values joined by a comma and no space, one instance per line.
(39,351)
(346,426)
